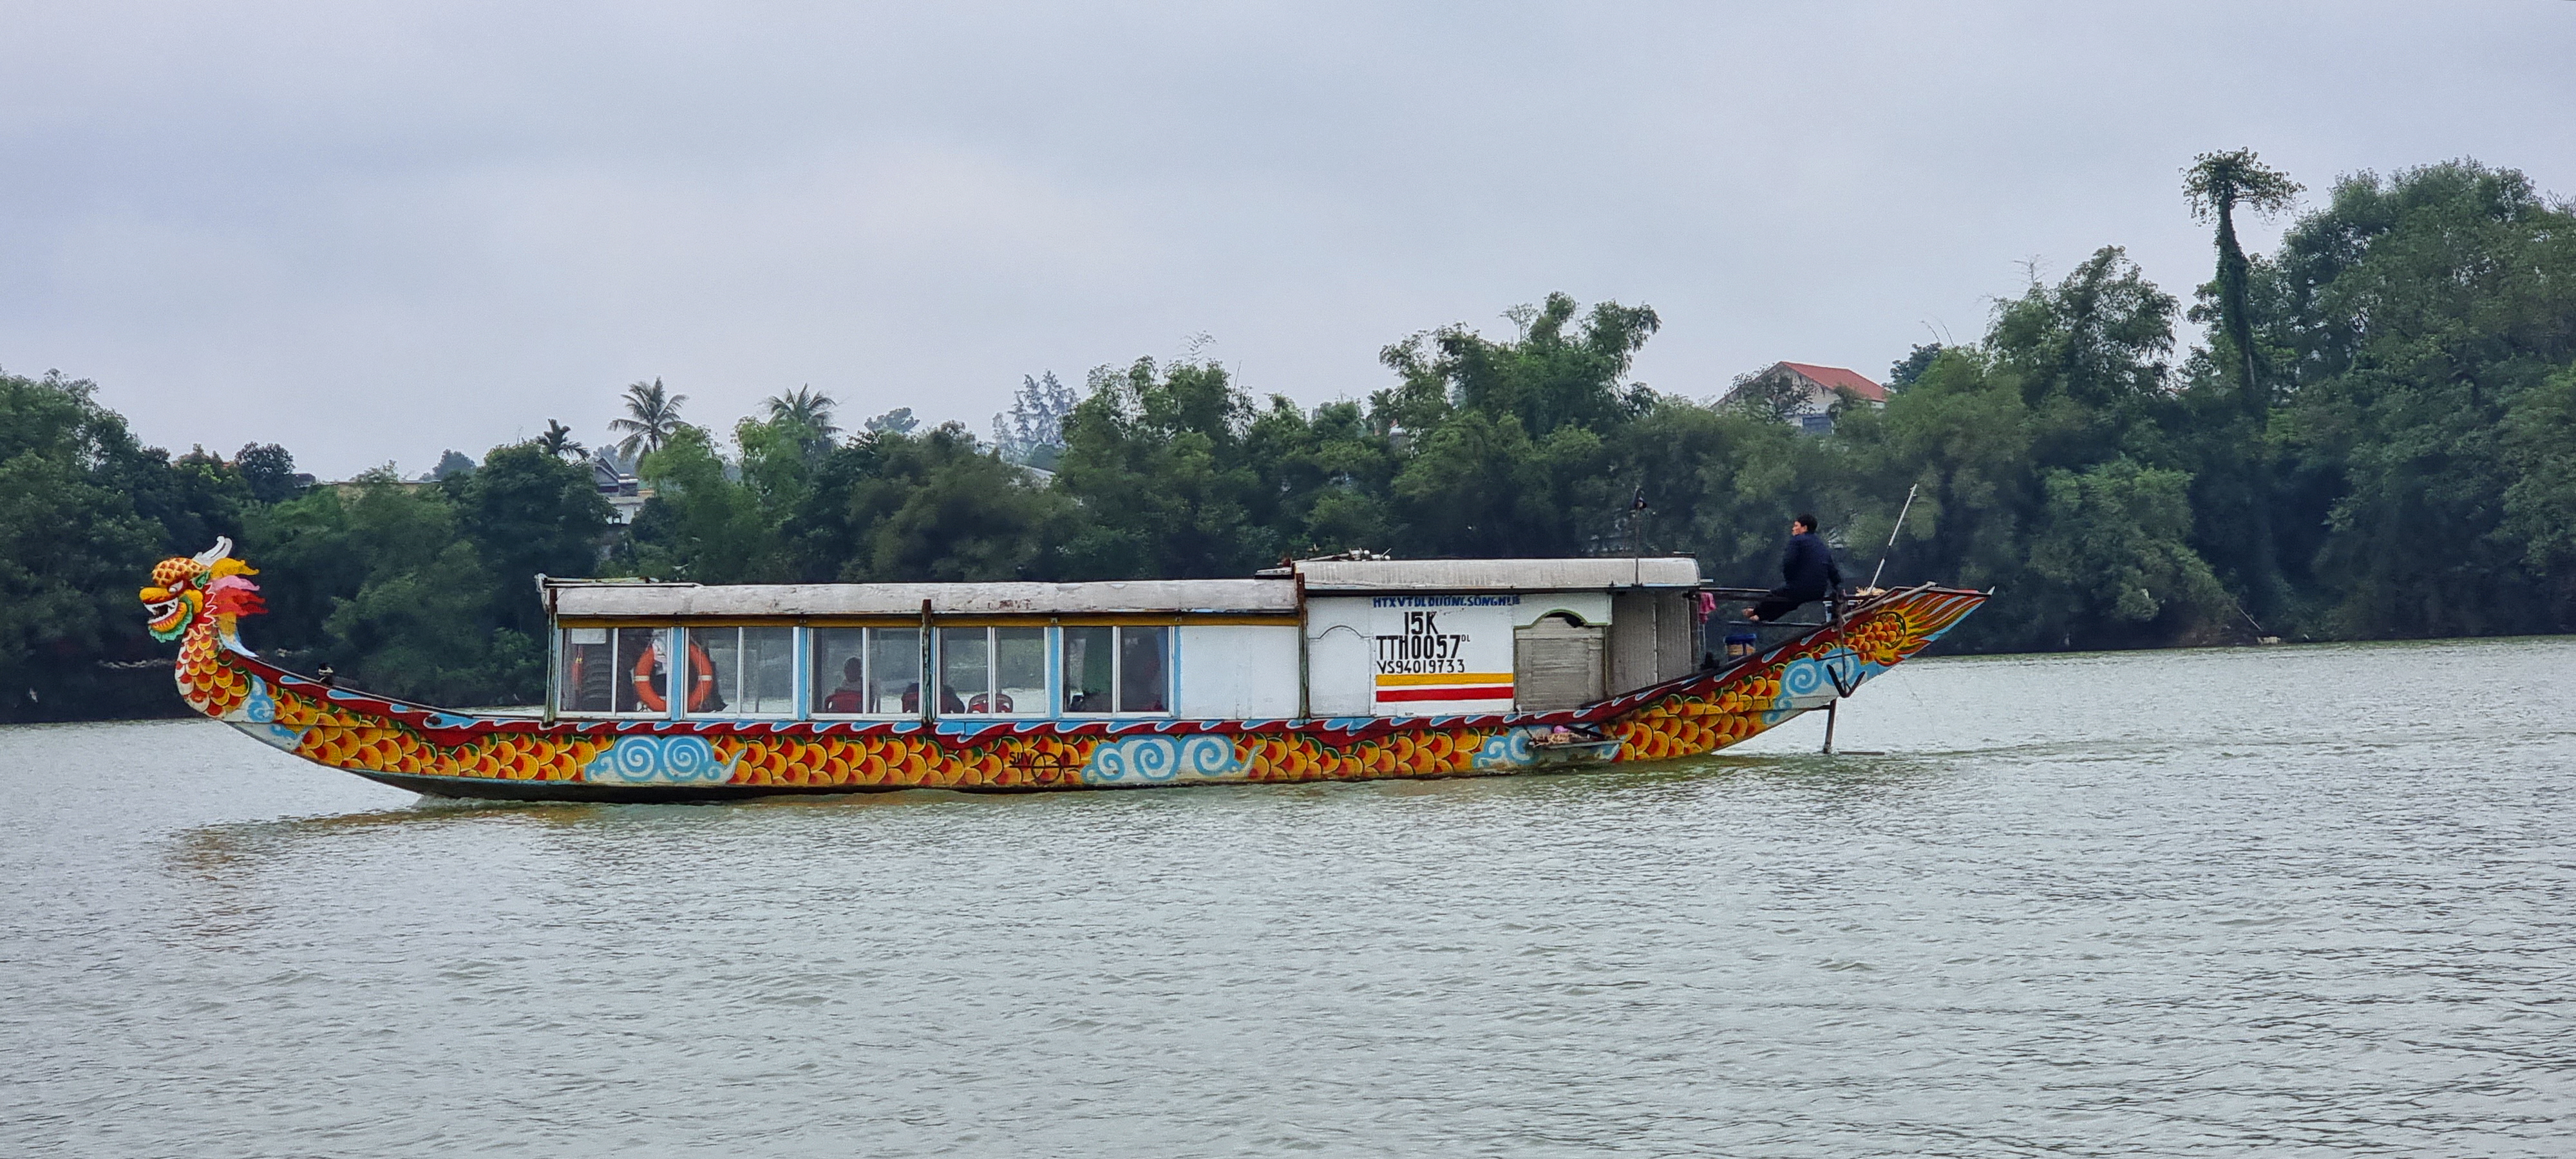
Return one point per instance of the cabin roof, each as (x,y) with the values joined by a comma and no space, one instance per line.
(578,598)
(1497,575)
(1273,591)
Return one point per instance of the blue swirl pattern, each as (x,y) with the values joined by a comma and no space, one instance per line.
(1162,760)
(1802,678)
(259,719)
(658,760)
(1809,683)
(1509,749)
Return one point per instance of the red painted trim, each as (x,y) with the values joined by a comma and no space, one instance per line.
(1479,692)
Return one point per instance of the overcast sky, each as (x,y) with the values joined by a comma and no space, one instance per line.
(372,232)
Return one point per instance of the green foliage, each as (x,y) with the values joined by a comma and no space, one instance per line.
(1479,485)
(898,421)
(2540,503)
(73,549)
(1905,370)
(1324,477)
(2215,185)
(702,525)
(558,441)
(805,408)
(2379,438)
(652,417)
(1156,459)
(1720,483)
(2430,314)
(528,513)
(1032,431)
(1964,433)
(423,633)
(2113,557)
(935,506)
(1507,451)
(799,421)
(2044,458)
(268,471)
(427,592)
(318,550)
(1546,377)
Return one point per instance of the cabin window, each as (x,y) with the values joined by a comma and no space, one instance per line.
(992,671)
(866,671)
(748,671)
(621,670)
(585,683)
(1121,669)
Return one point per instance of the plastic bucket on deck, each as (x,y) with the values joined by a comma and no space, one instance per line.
(1740,646)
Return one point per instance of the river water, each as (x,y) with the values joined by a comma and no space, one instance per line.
(2316,899)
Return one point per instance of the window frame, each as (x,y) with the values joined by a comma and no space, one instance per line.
(1118,673)
(993,669)
(732,696)
(619,669)
(810,704)
(808,687)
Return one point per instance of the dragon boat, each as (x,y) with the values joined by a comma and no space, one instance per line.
(1331,669)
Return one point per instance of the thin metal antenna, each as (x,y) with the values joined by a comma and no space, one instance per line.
(1891,534)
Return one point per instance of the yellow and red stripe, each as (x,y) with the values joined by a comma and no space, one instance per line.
(1445,686)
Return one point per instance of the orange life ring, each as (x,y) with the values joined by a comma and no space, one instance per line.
(701,690)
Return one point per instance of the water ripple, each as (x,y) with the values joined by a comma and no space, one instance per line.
(2146,904)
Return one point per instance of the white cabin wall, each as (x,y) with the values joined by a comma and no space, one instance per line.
(1237,672)
(1593,608)
(1339,673)
(1342,643)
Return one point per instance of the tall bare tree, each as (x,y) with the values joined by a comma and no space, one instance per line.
(2216,184)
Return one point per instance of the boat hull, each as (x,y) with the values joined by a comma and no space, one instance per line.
(432,751)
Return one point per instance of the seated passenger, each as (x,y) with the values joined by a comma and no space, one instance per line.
(948,699)
(851,697)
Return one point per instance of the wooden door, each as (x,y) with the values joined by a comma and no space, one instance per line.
(1556,663)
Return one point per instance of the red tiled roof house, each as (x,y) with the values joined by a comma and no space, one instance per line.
(1804,393)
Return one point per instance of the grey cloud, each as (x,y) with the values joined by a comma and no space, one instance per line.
(372,233)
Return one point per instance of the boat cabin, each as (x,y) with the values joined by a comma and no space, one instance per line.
(1317,638)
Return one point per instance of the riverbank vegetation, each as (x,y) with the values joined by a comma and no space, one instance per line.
(2378,438)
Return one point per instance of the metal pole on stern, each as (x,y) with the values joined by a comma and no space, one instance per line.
(1901,513)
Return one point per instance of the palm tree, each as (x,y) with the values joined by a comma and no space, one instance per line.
(652,417)
(558,442)
(805,407)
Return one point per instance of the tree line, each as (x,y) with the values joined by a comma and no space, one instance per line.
(2377,439)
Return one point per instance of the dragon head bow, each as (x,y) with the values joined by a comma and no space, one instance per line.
(185,588)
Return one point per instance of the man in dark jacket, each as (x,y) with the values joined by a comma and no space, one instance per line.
(1809,568)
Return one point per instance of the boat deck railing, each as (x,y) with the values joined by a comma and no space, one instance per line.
(1824,613)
